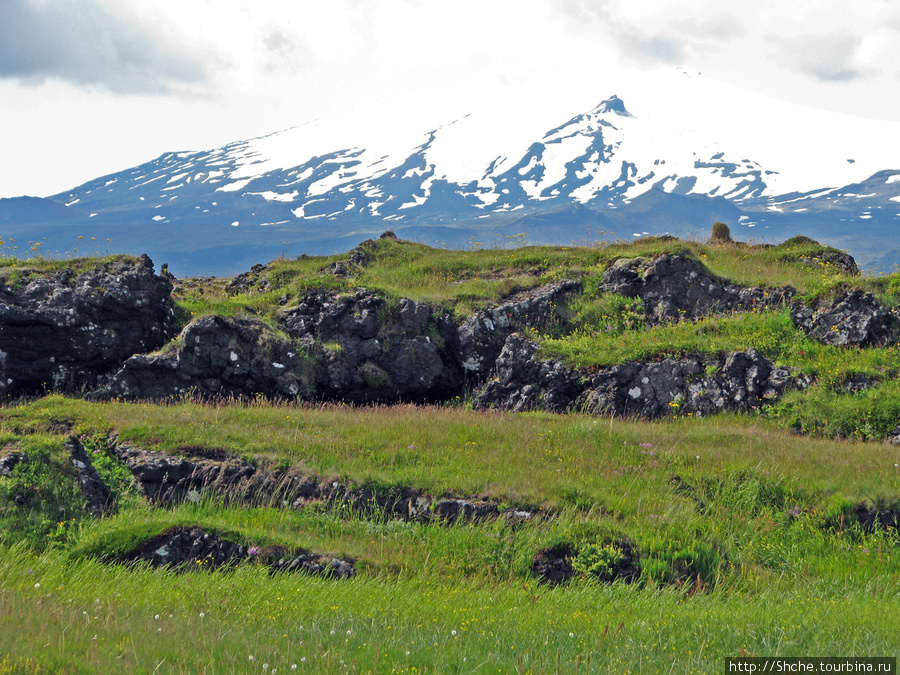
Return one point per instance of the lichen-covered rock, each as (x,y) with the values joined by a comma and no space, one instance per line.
(252,281)
(370,350)
(10,460)
(854,319)
(482,335)
(95,492)
(188,547)
(677,286)
(165,479)
(183,548)
(217,356)
(699,385)
(523,382)
(64,331)
(843,261)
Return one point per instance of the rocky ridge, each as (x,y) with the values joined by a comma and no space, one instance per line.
(696,385)
(166,479)
(678,286)
(67,330)
(363,347)
(183,548)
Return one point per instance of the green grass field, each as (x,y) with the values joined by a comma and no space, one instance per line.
(766,534)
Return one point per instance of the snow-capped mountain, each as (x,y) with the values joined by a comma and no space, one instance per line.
(670,154)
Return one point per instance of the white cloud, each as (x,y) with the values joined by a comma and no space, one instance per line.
(97,43)
(140,77)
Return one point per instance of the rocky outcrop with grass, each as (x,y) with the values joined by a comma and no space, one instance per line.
(855,319)
(166,479)
(482,335)
(188,548)
(522,382)
(678,286)
(216,356)
(96,493)
(351,347)
(65,329)
(696,385)
(367,349)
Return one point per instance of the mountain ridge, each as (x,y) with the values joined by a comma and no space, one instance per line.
(458,174)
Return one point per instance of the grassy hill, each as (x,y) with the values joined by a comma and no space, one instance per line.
(689,540)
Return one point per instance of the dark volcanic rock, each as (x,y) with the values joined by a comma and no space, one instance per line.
(64,331)
(188,547)
(279,559)
(692,384)
(369,350)
(216,356)
(184,548)
(165,478)
(10,461)
(700,385)
(96,493)
(482,335)
(855,319)
(525,383)
(554,565)
(678,286)
(843,261)
(254,280)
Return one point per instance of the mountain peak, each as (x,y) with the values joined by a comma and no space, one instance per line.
(613,105)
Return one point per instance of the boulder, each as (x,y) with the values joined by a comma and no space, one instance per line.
(698,385)
(94,490)
(165,479)
(191,547)
(678,286)
(482,335)
(854,319)
(523,382)
(66,330)
(11,460)
(217,356)
(370,350)
(253,281)
(188,547)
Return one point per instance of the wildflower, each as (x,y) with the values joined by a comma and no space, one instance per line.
(250,658)
(253,550)
(294,665)
(571,634)
(452,632)
(265,666)
(411,446)
(202,614)
(646,445)
(156,617)
(37,585)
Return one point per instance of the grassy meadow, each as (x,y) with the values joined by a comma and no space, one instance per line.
(767,534)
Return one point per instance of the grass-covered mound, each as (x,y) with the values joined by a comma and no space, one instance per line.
(687,541)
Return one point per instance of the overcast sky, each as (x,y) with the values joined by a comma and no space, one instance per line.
(89,87)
